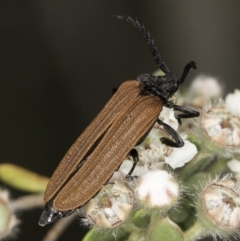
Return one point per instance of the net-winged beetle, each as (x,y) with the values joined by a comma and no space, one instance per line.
(123,123)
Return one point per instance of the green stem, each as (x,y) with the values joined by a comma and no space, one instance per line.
(194,233)
(27,202)
(131,227)
(219,166)
(197,164)
(155,218)
(58,228)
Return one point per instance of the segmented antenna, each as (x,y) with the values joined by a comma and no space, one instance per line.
(161,64)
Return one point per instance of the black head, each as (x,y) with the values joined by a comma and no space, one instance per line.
(162,86)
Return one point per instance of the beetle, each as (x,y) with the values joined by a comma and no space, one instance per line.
(123,123)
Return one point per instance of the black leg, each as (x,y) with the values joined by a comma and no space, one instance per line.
(178,142)
(186,113)
(135,157)
(190,65)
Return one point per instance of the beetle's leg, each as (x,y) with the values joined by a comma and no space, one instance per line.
(190,65)
(135,157)
(186,112)
(178,142)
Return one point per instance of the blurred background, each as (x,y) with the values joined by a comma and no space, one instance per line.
(60,60)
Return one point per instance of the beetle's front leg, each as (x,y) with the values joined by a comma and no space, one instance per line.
(134,154)
(178,142)
(185,112)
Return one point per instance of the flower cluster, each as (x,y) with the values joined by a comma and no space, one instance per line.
(218,206)
(169,185)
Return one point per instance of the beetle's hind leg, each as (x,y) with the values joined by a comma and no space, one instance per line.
(178,142)
(185,112)
(134,154)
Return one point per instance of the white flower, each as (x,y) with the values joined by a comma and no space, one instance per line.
(207,86)
(168,117)
(127,165)
(234,166)
(110,207)
(180,156)
(202,89)
(218,206)
(152,153)
(157,189)
(221,126)
(232,103)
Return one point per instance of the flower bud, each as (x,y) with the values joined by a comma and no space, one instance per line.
(152,150)
(222,129)
(218,207)
(232,102)
(202,90)
(157,190)
(110,207)
(234,166)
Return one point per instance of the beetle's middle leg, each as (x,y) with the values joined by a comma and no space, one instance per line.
(178,142)
(185,112)
(134,154)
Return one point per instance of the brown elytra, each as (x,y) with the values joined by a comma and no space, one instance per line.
(123,121)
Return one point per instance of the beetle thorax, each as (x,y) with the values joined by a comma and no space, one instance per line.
(162,86)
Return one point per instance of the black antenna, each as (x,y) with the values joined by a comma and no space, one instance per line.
(161,64)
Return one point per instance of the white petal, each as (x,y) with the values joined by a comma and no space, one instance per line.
(157,188)
(206,86)
(168,117)
(232,103)
(180,156)
(234,165)
(127,165)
